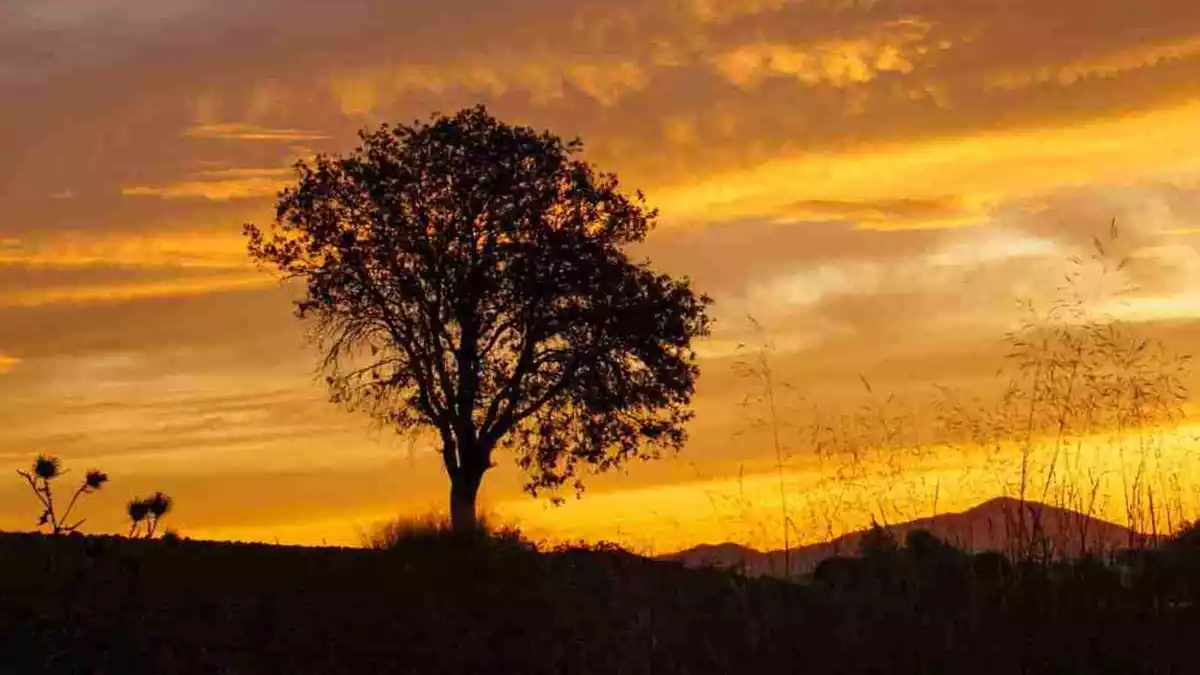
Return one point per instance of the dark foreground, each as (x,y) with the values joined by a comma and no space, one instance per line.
(112,606)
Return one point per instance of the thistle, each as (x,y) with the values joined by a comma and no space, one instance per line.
(147,513)
(40,476)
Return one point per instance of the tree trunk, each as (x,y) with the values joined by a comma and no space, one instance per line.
(463,491)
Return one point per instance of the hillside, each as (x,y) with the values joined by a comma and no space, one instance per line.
(984,527)
(111,606)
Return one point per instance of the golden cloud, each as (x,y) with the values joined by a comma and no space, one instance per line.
(723,11)
(7,363)
(98,293)
(545,78)
(219,185)
(984,168)
(241,131)
(1108,65)
(817,283)
(180,249)
(891,214)
(895,47)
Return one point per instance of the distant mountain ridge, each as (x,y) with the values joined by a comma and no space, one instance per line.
(983,527)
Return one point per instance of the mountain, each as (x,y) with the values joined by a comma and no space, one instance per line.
(984,527)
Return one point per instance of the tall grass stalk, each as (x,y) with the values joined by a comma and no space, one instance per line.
(1082,391)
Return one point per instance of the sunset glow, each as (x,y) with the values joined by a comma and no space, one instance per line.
(877,183)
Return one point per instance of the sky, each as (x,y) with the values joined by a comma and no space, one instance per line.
(875,181)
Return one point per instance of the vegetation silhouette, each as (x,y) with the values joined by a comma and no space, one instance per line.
(145,514)
(1080,390)
(131,606)
(41,476)
(467,277)
(1074,373)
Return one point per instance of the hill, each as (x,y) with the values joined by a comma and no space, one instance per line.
(112,606)
(988,526)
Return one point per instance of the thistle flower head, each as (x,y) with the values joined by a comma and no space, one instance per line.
(159,504)
(46,467)
(95,479)
(138,510)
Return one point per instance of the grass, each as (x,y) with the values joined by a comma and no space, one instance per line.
(433,530)
(1088,408)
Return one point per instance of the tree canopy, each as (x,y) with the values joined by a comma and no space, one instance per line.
(469,276)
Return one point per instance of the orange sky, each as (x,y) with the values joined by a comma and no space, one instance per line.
(875,180)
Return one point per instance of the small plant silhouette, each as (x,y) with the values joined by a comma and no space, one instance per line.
(146,514)
(40,476)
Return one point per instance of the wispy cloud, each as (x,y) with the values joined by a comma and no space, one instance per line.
(218,185)
(894,47)
(242,131)
(982,168)
(103,293)
(893,214)
(543,77)
(1107,65)
(182,249)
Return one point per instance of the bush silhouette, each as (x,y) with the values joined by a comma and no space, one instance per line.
(467,277)
(431,538)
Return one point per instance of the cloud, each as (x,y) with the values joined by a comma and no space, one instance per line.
(544,77)
(718,11)
(222,336)
(110,293)
(219,185)
(894,47)
(940,268)
(1108,65)
(181,249)
(7,363)
(983,168)
(82,14)
(893,214)
(242,131)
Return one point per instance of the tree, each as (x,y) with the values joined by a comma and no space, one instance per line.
(468,277)
(40,478)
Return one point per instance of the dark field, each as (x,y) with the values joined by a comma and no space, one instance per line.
(122,607)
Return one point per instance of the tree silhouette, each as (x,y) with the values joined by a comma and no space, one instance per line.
(40,477)
(467,276)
